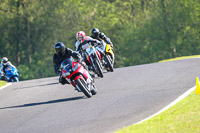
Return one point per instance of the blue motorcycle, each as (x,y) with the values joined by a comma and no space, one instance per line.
(11,74)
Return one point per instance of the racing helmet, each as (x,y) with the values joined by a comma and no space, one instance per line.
(4,60)
(80,36)
(60,48)
(95,32)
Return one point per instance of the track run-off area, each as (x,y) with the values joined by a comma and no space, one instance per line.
(126,96)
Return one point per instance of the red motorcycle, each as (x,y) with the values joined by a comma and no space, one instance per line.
(77,76)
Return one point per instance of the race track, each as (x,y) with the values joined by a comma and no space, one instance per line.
(124,97)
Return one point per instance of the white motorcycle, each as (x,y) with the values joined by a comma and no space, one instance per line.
(93,57)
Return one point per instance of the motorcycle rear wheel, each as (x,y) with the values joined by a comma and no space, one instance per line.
(84,88)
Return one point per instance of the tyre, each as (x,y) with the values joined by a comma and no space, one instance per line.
(100,63)
(94,89)
(14,79)
(109,65)
(81,84)
(98,67)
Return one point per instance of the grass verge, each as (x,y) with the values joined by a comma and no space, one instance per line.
(2,83)
(183,117)
(180,58)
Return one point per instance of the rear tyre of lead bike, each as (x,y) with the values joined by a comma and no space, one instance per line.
(108,63)
(81,84)
(99,70)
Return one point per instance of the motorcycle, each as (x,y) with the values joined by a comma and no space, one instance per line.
(11,74)
(93,57)
(108,57)
(78,77)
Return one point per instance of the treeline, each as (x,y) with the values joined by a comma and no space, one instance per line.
(142,31)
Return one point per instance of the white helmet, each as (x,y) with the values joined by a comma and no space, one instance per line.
(4,60)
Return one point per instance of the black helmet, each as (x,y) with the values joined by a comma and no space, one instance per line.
(59,48)
(95,32)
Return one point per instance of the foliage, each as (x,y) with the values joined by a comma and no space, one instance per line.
(143,31)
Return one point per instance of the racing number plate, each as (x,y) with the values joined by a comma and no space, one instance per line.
(90,50)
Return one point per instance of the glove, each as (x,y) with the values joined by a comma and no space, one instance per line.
(99,43)
(83,63)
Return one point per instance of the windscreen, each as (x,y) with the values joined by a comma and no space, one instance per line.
(67,64)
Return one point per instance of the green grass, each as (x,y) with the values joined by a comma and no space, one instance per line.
(183,117)
(180,58)
(2,83)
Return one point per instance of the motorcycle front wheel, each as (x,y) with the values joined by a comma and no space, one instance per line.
(98,67)
(14,79)
(83,87)
(94,89)
(109,65)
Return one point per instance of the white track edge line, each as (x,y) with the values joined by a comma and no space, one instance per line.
(8,84)
(162,110)
(171,104)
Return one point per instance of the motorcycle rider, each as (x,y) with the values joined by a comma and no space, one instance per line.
(61,53)
(82,41)
(4,64)
(96,34)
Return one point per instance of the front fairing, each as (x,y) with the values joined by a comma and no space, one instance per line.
(66,66)
(69,68)
(71,71)
(92,53)
(90,50)
(10,71)
(106,48)
(109,49)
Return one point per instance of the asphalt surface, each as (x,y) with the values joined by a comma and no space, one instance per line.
(124,97)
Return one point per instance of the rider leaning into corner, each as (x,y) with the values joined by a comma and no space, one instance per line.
(82,41)
(61,53)
(96,34)
(4,64)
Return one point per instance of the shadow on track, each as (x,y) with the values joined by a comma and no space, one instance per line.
(37,86)
(41,103)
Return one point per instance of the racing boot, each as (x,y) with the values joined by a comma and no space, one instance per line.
(63,81)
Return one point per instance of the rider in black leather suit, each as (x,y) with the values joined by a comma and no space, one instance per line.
(96,34)
(61,54)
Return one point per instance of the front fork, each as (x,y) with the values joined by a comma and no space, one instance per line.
(87,82)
